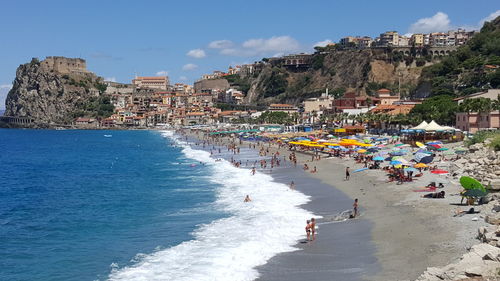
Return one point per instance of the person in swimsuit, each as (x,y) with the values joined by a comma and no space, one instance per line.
(308,230)
(347,174)
(313,228)
(355,207)
(292,185)
(247,199)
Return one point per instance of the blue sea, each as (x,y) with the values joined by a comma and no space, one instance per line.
(134,205)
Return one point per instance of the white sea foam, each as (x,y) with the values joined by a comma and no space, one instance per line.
(229,248)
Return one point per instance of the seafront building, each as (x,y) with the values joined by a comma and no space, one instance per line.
(476,121)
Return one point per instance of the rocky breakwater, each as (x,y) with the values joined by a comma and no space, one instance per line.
(482,261)
(54,92)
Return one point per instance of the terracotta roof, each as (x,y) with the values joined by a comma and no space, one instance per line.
(195,114)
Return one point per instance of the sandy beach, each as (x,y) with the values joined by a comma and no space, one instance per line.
(405,233)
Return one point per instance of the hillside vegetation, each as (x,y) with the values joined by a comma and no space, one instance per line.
(473,67)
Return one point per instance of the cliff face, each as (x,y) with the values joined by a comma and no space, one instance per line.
(361,71)
(50,97)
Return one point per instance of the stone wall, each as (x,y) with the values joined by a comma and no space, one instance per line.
(213,84)
(64,65)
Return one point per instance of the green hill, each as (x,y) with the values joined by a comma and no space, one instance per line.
(472,68)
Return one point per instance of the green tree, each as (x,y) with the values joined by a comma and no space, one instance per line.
(440,108)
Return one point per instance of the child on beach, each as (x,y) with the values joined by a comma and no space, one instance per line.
(313,228)
(308,230)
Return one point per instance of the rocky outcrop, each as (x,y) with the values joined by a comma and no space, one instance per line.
(50,97)
(352,70)
(481,163)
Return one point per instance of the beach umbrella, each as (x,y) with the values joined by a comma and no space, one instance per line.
(399,144)
(361,151)
(359,170)
(426,159)
(439,171)
(470,183)
(373,149)
(419,144)
(419,155)
(420,165)
(475,193)
(442,149)
(410,170)
(378,158)
(434,142)
(395,162)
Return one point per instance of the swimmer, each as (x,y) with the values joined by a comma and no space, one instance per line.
(247,199)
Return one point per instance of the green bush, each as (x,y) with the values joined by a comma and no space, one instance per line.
(495,143)
(481,136)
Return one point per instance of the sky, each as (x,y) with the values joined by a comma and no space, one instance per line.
(185,39)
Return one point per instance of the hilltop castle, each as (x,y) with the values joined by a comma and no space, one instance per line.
(65,65)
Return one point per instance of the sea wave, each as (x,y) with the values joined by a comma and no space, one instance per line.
(229,248)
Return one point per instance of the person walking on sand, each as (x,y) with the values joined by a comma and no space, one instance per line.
(308,230)
(355,207)
(347,174)
(313,228)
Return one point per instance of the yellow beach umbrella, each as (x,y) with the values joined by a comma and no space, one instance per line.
(420,165)
(419,144)
(361,151)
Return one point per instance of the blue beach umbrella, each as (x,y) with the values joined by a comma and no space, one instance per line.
(378,158)
(359,170)
(410,170)
(395,162)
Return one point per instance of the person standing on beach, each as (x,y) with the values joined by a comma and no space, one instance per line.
(253,171)
(292,185)
(308,230)
(347,174)
(313,228)
(355,207)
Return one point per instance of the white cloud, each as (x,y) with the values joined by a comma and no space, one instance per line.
(436,23)
(491,17)
(261,46)
(323,43)
(110,79)
(220,44)
(4,90)
(162,73)
(183,78)
(273,44)
(189,66)
(196,53)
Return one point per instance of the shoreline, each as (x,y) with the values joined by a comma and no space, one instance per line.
(431,236)
(348,257)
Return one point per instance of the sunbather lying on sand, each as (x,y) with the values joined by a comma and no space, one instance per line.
(434,195)
(460,213)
